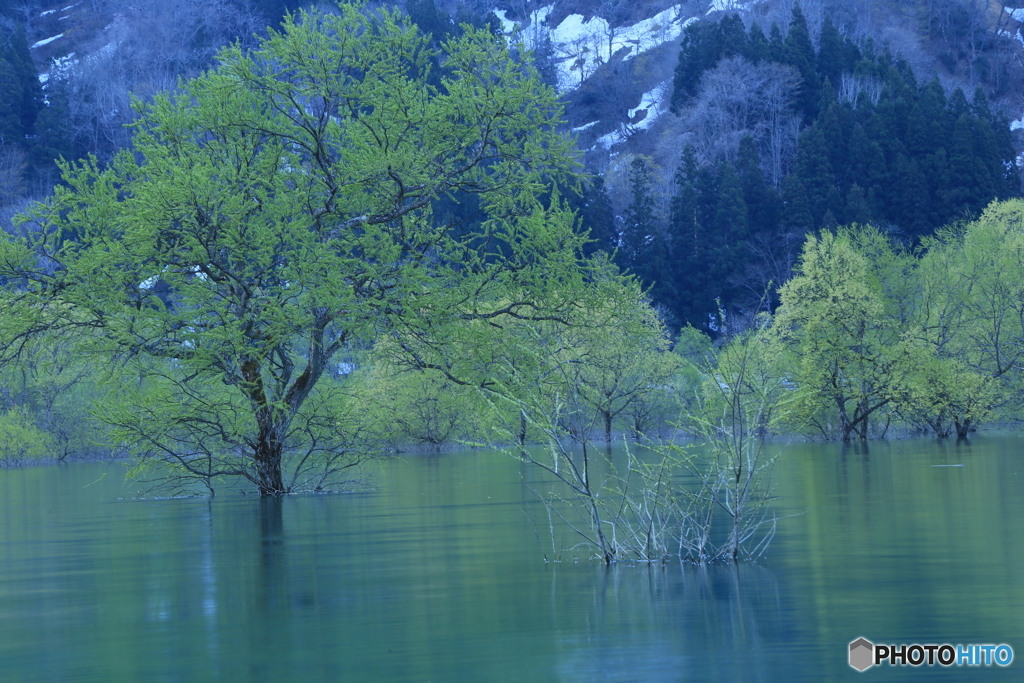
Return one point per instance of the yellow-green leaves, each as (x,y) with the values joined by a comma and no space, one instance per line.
(282,206)
(971,319)
(839,319)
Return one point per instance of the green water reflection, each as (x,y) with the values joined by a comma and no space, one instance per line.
(437,575)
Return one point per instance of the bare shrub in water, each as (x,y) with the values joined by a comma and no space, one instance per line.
(673,500)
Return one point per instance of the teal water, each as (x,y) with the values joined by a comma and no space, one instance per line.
(437,574)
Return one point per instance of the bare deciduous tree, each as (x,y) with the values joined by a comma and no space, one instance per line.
(738,99)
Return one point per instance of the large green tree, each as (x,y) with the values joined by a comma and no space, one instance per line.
(841,316)
(279,207)
(970,317)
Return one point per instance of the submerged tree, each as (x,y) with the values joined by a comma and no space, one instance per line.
(840,316)
(279,207)
(970,320)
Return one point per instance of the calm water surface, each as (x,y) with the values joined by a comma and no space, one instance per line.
(438,575)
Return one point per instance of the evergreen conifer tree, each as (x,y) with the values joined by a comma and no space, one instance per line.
(429,19)
(21,96)
(730,213)
(973,184)
(644,248)
(757,45)
(867,162)
(11,131)
(958,106)
(700,50)
(776,45)
(638,222)
(919,131)
(762,200)
(832,53)
(732,36)
(799,53)
(857,210)
(911,208)
(796,210)
(597,216)
(813,167)
(994,144)
(689,230)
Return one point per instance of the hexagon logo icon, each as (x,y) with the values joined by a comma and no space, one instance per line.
(862,654)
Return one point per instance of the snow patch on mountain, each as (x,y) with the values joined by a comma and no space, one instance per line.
(651,102)
(582,45)
(611,139)
(46,41)
(507,25)
(59,69)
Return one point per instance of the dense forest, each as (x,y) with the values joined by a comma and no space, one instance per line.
(809,164)
(875,146)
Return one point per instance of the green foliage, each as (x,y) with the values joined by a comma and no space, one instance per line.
(566,380)
(580,374)
(748,377)
(280,207)
(946,395)
(839,318)
(21,442)
(869,332)
(970,314)
(57,386)
(187,431)
(403,407)
(618,364)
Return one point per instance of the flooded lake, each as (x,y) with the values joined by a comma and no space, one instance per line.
(438,574)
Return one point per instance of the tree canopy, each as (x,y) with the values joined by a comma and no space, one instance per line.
(282,206)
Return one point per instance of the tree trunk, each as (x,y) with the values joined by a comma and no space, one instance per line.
(845,427)
(845,424)
(607,426)
(267,455)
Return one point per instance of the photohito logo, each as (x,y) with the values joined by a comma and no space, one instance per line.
(864,654)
